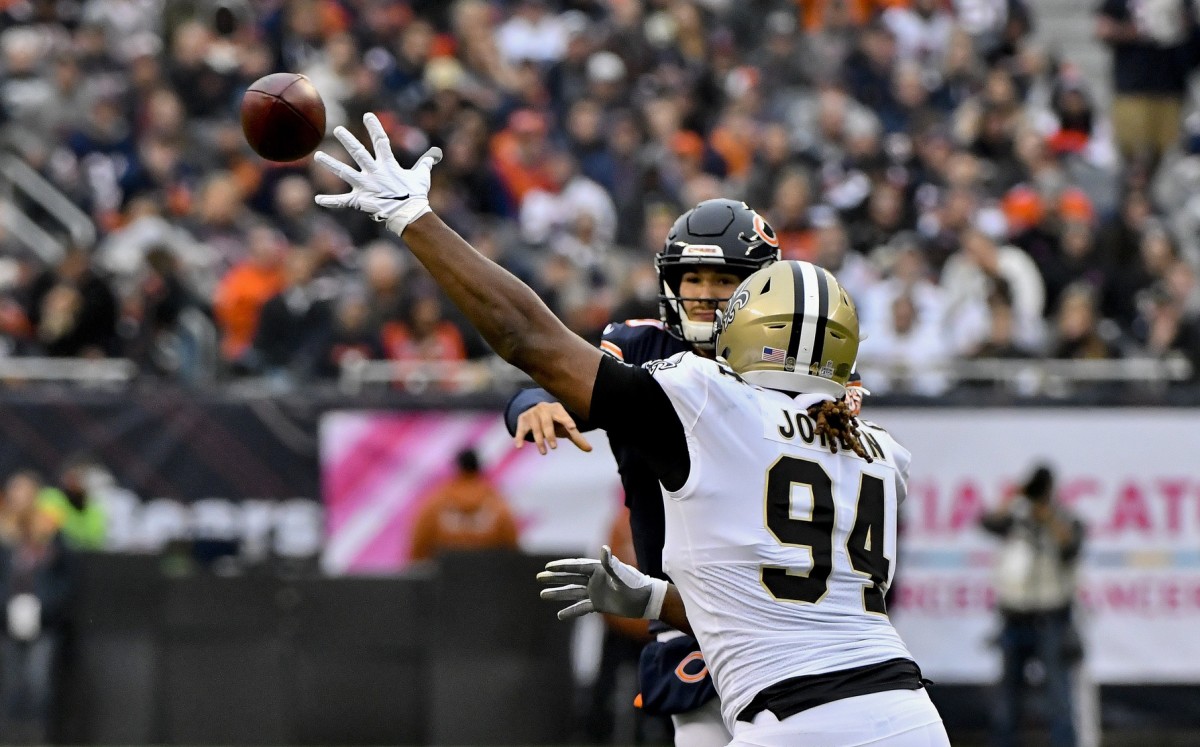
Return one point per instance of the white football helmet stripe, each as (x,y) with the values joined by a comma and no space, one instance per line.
(810,310)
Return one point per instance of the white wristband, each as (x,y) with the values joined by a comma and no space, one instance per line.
(658,595)
(403,217)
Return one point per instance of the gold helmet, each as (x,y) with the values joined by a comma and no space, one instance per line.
(791,326)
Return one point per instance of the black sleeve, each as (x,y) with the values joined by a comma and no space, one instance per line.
(527,398)
(629,404)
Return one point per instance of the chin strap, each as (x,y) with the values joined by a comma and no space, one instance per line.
(700,334)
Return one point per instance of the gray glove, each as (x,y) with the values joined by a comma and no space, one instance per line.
(605,585)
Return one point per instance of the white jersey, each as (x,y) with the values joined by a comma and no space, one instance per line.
(781,549)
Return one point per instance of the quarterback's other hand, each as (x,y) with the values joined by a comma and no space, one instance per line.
(606,585)
(546,422)
(381,187)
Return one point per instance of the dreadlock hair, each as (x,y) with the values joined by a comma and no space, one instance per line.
(836,424)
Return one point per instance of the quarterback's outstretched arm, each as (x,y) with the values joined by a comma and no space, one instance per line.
(509,315)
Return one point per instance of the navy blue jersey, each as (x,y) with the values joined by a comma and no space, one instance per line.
(635,341)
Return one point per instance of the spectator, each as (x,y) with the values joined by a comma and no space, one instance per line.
(154,311)
(922,31)
(1152,58)
(352,337)
(1035,592)
(1157,253)
(1000,340)
(906,354)
(383,269)
(246,288)
(996,26)
(1164,327)
(547,212)
(907,273)
(533,33)
(209,88)
(425,334)
(1076,260)
(1120,235)
(1077,326)
(790,214)
(465,513)
(74,310)
(292,324)
(36,585)
(834,253)
(976,270)
(82,520)
(518,153)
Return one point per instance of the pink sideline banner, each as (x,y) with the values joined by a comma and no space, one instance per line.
(1132,475)
(377,468)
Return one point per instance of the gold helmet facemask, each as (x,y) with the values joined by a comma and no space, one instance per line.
(791,326)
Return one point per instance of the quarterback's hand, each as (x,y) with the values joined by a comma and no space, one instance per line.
(605,585)
(382,188)
(548,421)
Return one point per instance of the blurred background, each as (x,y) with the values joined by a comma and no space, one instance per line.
(239,434)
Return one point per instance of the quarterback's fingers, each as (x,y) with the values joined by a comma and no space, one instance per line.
(579,609)
(572,593)
(430,157)
(357,150)
(546,425)
(550,578)
(524,428)
(343,172)
(379,137)
(568,424)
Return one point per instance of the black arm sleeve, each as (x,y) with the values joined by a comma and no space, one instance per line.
(527,398)
(631,406)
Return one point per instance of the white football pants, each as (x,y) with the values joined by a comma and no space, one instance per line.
(702,727)
(894,718)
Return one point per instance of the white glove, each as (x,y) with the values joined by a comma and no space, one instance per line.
(605,585)
(383,188)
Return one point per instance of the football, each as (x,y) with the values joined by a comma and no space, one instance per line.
(283,117)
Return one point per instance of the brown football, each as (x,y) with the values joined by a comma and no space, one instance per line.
(283,117)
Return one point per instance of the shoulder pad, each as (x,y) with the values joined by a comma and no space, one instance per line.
(635,340)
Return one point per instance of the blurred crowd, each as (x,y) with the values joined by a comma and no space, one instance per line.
(959,178)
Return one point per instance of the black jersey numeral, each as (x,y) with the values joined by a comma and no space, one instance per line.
(864,544)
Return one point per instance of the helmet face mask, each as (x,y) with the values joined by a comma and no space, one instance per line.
(725,235)
(791,326)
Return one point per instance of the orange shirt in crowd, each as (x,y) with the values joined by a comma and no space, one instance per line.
(467,513)
(799,244)
(444,344)
(815,12)
(238,302)
(518,178)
